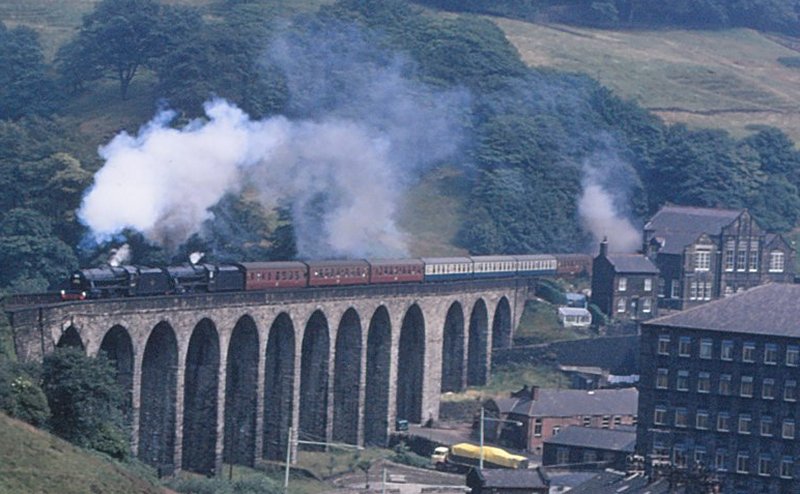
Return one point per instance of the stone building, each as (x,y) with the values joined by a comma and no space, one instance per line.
(542,413)
(589,447)
(504,481)
(624,285)
(706,253)
(719,388)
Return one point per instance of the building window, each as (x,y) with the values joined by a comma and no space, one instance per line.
(702,260)
(720,460)
(660,416)
(787,465)
(766,426)
(648,284)
(726,350)
(700,455)
(685,346)
(725,384)
(764,466)
(790,390)
(562,456)
(682,383)
(776,262)
(742,461)
(749,352)
(744,424)
(701,420)
(753,257)
(724,422)
(706,347)
(622,284)
(675,289)
(768,389)
(730,249)
(679,457)
(771,354)
(703,382)
(787,429)
(537,427)
(556,429)
(741,259)
(693,290)
(589,456)
(646,305)
(707,294)
(617,420)
(746,388)
(662,379)
(621,305)
(728,290)
(681,417)
(792,356)
(663,345)
(606,422)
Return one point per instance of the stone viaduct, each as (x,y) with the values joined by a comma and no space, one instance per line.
(221,377)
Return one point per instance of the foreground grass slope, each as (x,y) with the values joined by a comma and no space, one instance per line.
(33,461)
(727,79)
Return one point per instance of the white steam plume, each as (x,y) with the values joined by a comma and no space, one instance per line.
(120,256)
(342,175)
(598,206)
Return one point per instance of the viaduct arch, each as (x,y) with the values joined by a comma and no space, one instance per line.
(224,376)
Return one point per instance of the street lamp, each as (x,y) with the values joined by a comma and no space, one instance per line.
(300,441)
(484,417)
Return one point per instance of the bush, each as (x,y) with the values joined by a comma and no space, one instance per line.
(21,396)
(550,292)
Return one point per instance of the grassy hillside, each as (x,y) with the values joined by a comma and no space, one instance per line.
(726,79)
(32,461)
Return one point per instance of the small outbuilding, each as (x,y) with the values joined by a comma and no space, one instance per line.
(507,481)
(574,317)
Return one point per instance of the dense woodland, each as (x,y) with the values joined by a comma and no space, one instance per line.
(530,135)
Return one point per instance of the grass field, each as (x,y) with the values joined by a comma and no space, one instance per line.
(35,461)
(728,79)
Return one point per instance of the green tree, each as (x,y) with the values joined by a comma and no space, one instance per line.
(118,38)
(25,86)
(85,400)
(32,257)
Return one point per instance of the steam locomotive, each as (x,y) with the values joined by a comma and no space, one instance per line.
(135,281)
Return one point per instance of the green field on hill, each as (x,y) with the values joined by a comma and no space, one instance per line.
(32,460)
(728,79)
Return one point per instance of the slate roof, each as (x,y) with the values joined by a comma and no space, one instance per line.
(592,437)
(615,483)
(770,309)
(513,479)
(679,226)
(631,263)
(572,402)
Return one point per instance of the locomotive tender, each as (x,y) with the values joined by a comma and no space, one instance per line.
(130,281)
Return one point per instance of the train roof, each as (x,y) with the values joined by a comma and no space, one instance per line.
(493,258)
(273,265)
(342,262)
(445,260)
(534,257)
(395,262)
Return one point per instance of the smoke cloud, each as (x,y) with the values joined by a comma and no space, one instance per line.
(342,162)
(602,203)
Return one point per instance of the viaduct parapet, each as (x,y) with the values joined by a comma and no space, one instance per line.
(221,377)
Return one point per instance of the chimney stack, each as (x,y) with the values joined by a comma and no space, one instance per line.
(534,393)
(604,247)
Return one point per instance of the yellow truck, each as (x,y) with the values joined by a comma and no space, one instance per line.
(463,456)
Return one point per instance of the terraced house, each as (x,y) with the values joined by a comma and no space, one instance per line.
(706,253)
(719,388)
